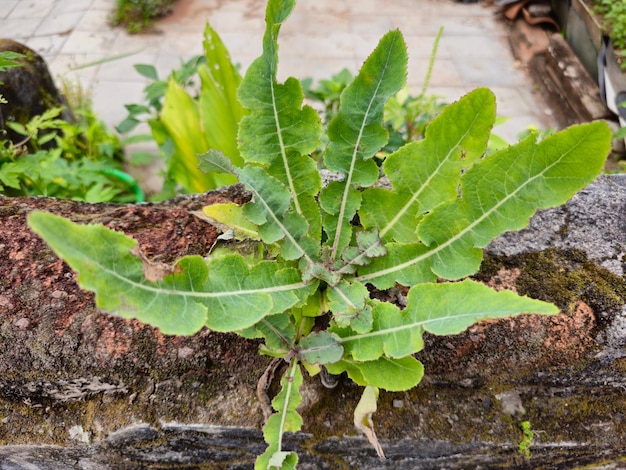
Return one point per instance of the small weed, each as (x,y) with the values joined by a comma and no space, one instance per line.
(137,15)
(527,439)
(614,14)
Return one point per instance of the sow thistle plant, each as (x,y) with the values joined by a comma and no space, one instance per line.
(327,246)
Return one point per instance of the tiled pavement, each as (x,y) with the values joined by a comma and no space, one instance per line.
(320,38)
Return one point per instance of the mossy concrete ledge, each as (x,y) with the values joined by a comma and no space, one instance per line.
(82,389)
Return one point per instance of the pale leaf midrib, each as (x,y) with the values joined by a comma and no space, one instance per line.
(426,184)
(283,152)
(468,229)
(409,326)
(348,180)
(195,294)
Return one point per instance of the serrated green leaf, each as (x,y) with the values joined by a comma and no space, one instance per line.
(286,419)
(503,191)
(368,246)
(347,302)
(499,193)
(280,132)
(270,210)
(450,308)
(425,173)
(225,294)
(277,330)
(216,161)
(356,132)
(330,200)
(229,216)
(441,309)
(397,266)
(320,347)
(105,265)
(394,375)
(393,333)
(315,270)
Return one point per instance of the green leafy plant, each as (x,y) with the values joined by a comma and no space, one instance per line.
(328,250)
(71,160)
(405,116)
(185,125)
(138,15)
(614,15)
(527,439)
(7,61)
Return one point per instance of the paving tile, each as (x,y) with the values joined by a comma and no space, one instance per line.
(429,9)
(47,46)
(422,47)
(109,98)
(187,44)
(336,45)
(77,68)
(242,47)
(370,25)
(133,43)
(329,8)
(193,15)
(32,9)
(20,28)
(94,20)
(86,42)
(472,26)
(70,6)
(105,5)
(124,68)
(477,47)
(59,23)
(477,72)
(314,24)
(316,69)
(233,22)
(452,26)
(444,73)
(6,7)
(513,101)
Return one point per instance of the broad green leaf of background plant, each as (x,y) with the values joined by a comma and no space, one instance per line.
(210,123)
(224,294)
(425,173)
(498,193)
(220,108)
(279,132)
(356,133)
(182,119)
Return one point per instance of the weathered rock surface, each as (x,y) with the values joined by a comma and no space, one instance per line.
(74,378)
(28,89)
